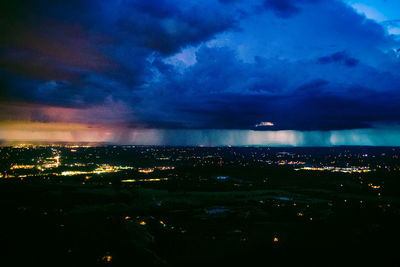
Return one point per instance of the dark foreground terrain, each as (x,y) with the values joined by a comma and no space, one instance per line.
(211,206)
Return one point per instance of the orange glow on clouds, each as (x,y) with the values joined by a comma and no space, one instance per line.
(74,132)
(38,131)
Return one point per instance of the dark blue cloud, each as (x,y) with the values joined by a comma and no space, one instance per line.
(314,85)
(307,65)
(340,58)
(285,8)
(242,94)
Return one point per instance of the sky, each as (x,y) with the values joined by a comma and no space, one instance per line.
(210,72)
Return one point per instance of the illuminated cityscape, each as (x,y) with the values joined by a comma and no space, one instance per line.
(242,199)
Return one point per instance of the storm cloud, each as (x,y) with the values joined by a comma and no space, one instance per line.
(309,65)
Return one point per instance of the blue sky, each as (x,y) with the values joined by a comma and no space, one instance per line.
(385,12)
(211,69)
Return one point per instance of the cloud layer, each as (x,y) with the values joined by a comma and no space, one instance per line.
(313,65)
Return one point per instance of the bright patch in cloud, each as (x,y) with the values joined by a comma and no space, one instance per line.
(264,124)
(187,57)
(369,12)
